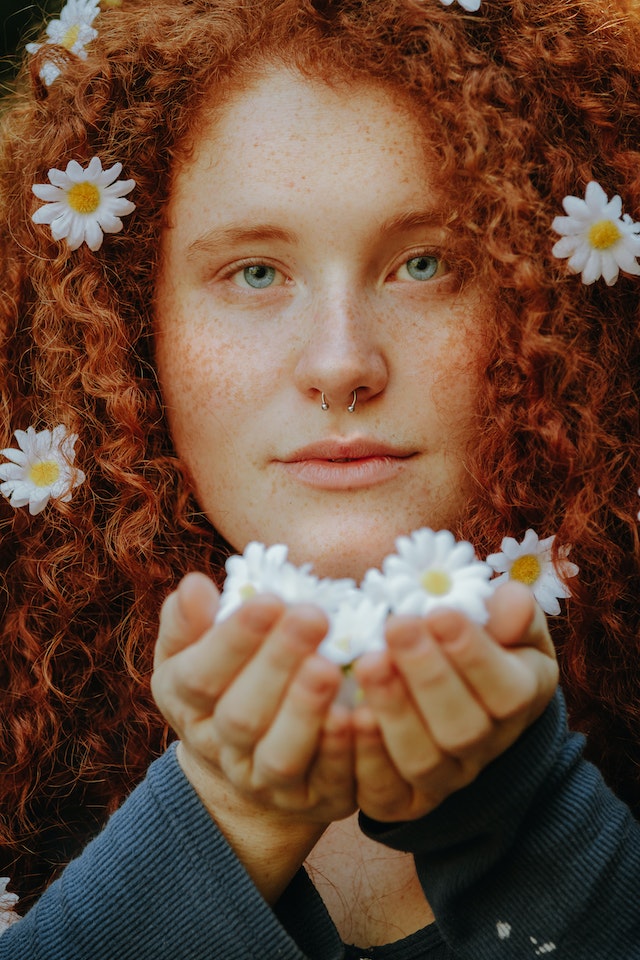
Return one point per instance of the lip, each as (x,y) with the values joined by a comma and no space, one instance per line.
(346,464)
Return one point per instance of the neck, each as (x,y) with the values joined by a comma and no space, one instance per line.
(372,893)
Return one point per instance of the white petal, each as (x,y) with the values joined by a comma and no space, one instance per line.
(94,170)
(59,178)
(11,471)
(108,176)
(93,235)
(578,260)
(576,208)
(594,196)
(75,172)
(592,270)
(46,191)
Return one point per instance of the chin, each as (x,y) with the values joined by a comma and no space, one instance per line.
(341,556)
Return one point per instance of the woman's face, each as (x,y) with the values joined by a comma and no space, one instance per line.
(304,258)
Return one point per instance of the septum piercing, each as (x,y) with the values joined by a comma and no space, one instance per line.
(352,406)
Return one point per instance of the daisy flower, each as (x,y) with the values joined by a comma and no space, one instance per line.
(470,5)
(41,469)
(262,569)
(432,570)
(82,205)
(596,238)
(355,627)
(530,563)
(72,31)
(7,903)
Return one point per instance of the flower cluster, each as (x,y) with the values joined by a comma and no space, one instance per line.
(430,570)
(73,31)
(598,240)
(41,469)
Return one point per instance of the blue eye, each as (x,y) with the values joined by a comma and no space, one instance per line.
(259,275)
(422,268)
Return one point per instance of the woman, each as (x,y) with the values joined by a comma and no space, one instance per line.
(334,316)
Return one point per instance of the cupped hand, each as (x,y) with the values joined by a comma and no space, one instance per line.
(253,705)
(446,698)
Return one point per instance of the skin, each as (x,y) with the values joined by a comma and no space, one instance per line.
(243,370)
(273,757)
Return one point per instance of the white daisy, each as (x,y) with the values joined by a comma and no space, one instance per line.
(73,31)
(41,469)
(432,570)
(355,627)
(82,205)
(530,563)
(262,569)
(7,903)
(470,5)
(598,241)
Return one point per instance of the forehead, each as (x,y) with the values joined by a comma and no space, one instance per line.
(278,124)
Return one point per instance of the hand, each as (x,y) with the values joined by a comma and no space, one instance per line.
(261,742)
(446,698)
(252,703)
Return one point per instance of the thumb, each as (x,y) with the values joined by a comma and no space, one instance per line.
(185,615)
(516,620)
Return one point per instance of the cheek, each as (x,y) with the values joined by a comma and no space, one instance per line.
(201,375)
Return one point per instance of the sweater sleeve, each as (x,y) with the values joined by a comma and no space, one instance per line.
(537,857)
(160,882)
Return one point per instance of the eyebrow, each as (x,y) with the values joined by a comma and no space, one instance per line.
(212,240)
(410,221)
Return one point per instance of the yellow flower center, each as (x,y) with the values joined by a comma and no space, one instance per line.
(526,569)
(603,235)
(44,473)
(84,197)
(70,37)
(247,591)
(436,582)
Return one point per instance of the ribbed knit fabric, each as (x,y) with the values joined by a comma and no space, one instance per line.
(160,883)
(535,858)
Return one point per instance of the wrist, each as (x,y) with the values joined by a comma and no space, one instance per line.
(271,844)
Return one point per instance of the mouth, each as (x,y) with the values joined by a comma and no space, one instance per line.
(346,464)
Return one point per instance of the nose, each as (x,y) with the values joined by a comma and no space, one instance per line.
(342,360)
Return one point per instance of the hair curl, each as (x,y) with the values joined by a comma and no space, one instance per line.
(529,102)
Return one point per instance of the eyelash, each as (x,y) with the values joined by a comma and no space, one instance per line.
(242,265)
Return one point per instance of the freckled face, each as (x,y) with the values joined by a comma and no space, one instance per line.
(304,258)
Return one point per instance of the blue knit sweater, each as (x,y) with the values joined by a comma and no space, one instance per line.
(535,858)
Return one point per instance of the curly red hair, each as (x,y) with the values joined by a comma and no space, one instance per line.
(530,103)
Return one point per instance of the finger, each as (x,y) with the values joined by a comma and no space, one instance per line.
(283,756)
(185,614)
(456,719)
(200,674)
(381,792)
(249,705)
(333,773)
(503,680)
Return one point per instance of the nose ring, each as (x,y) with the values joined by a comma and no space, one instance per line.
(325,405)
